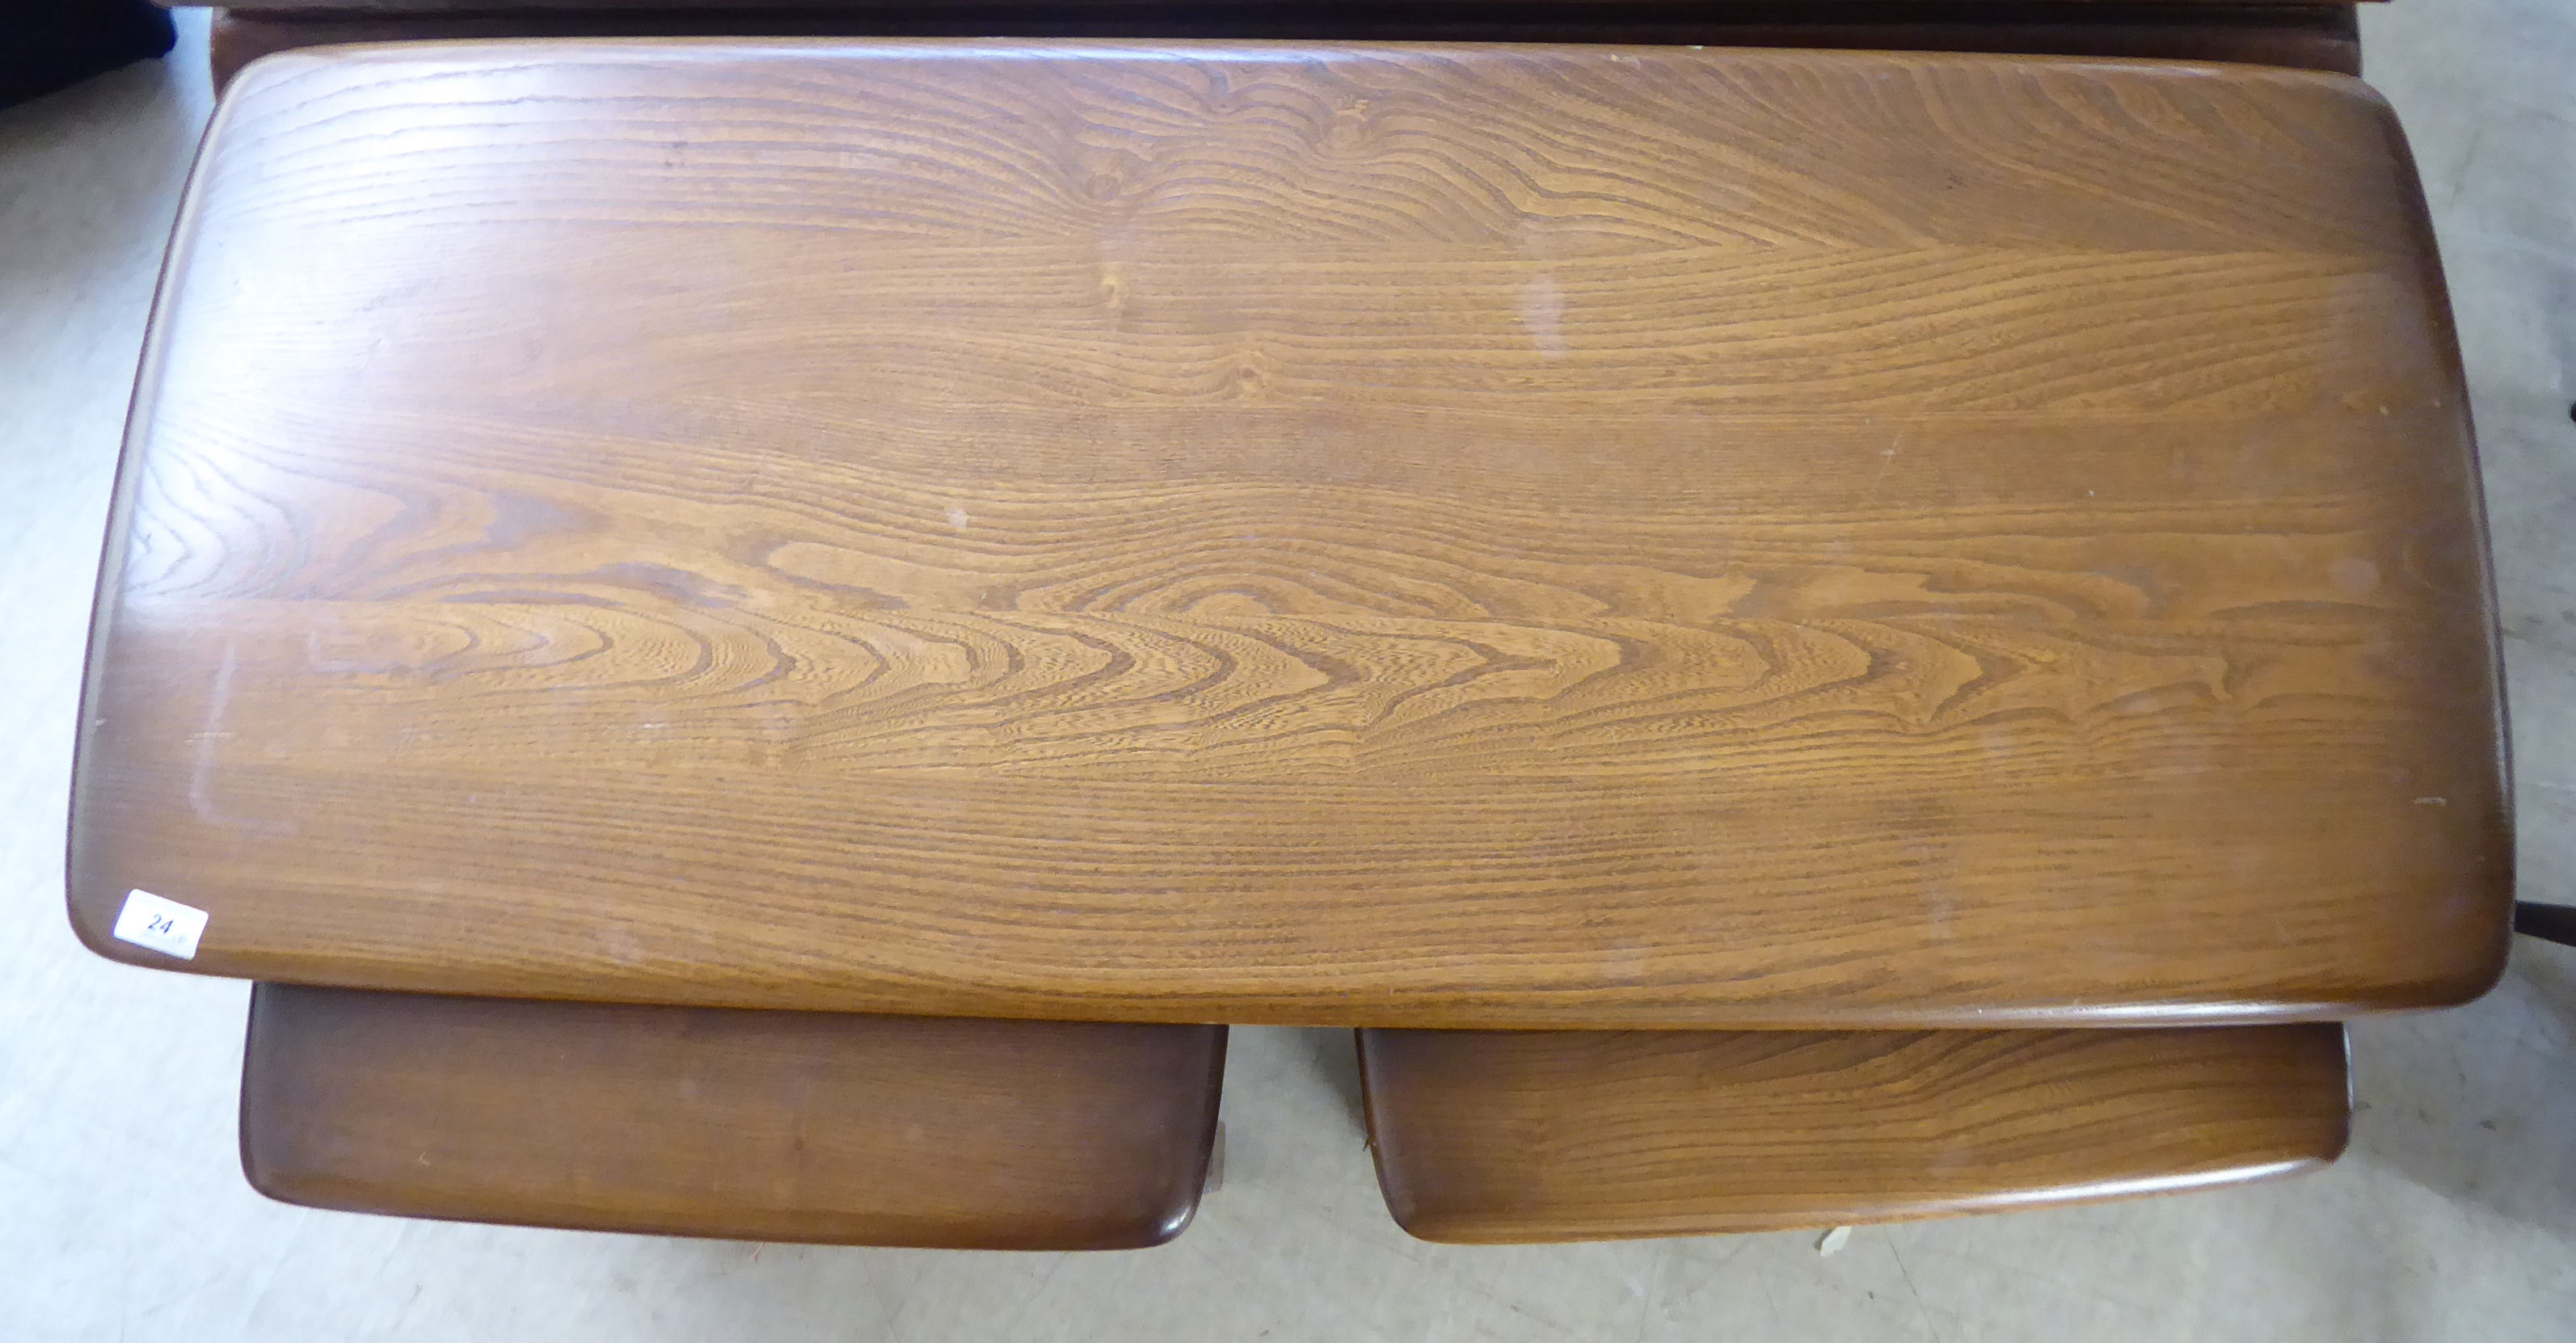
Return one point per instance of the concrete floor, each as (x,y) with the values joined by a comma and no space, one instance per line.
(124,1216)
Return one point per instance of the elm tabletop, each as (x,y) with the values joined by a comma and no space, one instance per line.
(1467,536)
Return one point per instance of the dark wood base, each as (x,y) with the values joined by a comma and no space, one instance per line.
(1495,1136)
(797,1126)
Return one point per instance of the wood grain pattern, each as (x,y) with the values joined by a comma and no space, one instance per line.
(801,1126)
(2309,37)
(1491,1136)
(1458,536)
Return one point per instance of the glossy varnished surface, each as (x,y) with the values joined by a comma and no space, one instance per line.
(1439,536)
(805,1126)
(1585,1135)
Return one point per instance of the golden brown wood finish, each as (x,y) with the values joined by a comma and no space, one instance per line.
(1437,536)
(805,1126)
(2312,37)
(1490,1136)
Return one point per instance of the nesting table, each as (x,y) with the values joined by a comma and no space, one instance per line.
(1716,556)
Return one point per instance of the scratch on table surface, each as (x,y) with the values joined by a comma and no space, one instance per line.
(201,796)
(1886,459)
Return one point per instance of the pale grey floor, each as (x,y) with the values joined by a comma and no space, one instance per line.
(123,1216)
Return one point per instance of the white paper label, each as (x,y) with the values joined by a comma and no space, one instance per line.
(165,926)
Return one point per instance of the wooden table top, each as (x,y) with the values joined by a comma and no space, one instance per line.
(818,1127)
(1490,1137)
(1436,536)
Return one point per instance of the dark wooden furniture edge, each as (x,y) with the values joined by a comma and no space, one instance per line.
(1492,1225)
(2308,36)
(284,1158)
